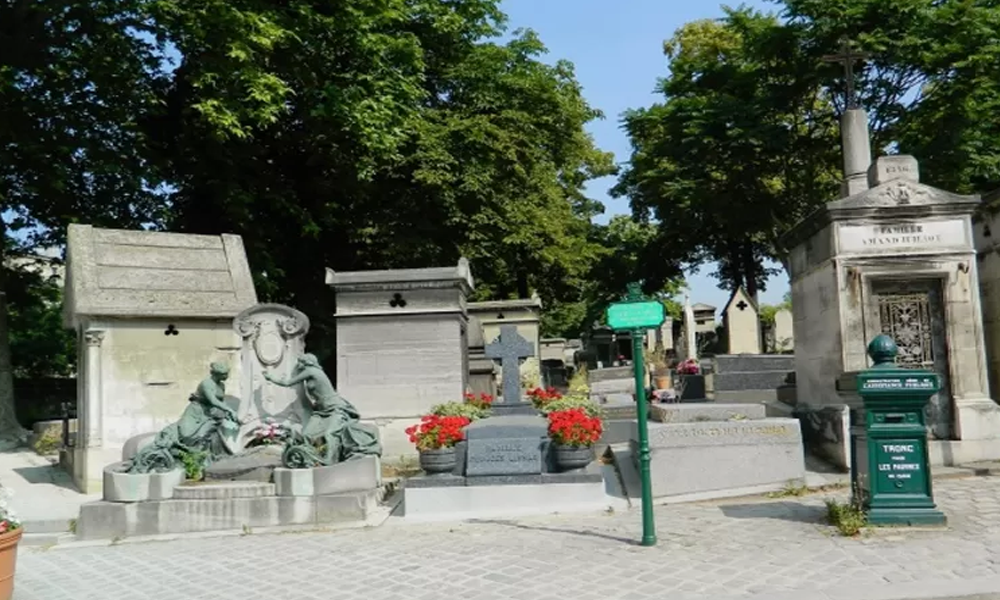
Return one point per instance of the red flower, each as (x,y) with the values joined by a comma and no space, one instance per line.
(573,427)
(482,401)
(435,432)
(540,397)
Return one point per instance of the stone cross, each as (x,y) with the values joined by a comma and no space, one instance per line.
(509,348)
(847,57)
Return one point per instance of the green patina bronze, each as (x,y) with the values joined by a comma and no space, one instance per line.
(333,432)
(890,469)
(202,429)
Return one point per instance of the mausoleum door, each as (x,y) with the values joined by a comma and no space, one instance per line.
(912,313)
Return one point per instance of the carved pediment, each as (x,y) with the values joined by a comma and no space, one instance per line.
(901,193)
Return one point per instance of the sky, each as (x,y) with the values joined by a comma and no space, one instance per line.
(617,48)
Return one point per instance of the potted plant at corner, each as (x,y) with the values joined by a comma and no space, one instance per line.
(658,368)
(435,438)
(10,537)
(574,432)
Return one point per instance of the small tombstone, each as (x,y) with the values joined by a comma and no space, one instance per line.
(273,338)
(784,339)
(742,323)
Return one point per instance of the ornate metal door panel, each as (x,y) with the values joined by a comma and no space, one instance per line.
(912,314)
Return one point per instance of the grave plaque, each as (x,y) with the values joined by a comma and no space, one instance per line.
(504,456)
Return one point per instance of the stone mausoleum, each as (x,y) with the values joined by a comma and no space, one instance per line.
(402,344)
(151,311)
(891,256)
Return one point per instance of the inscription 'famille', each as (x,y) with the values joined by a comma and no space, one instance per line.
(890,235)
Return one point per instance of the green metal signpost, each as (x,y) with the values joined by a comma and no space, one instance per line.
(635,315)
(890,471)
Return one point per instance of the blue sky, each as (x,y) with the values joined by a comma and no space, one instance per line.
(617,47)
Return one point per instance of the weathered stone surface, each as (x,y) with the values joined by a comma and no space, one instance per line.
(609,373)
(144,273)
(687,413)
(507,496)
(889,168)
(120,486)
(255,464)
(223,490)
(688,458)
(359,474)
(102,520)
(273,340)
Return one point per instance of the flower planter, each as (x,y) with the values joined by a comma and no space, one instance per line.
(8,561)
(570,458)
(438,461)
(663,382)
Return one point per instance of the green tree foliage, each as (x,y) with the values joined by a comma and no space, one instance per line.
(401,134)
(744,143)
(740,148)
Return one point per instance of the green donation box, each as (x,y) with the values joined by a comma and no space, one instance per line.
(890,473)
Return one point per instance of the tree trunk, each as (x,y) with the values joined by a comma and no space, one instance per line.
(522,284)
(12,434)
(750,271)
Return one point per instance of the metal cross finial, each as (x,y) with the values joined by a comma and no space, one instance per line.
(848,57)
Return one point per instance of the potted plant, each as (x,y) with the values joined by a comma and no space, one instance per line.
(435,438)
(657,364)
(10,537)
(540,397)
(573,432)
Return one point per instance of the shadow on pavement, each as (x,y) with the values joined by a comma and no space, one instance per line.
(785,511)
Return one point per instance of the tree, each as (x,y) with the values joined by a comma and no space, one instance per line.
(74,78)
(745,143)
(406,138)
(740,148)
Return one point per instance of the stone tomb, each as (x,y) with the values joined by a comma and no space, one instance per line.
(151,311)
(717,450)
(402,344)
(897,259)
(505,466)
(742,321)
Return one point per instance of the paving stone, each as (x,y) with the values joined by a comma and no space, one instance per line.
(708,550)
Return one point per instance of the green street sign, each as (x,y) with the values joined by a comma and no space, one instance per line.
(636,315)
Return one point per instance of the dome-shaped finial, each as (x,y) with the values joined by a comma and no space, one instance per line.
(883,350)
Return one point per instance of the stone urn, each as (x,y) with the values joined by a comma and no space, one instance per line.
(438,461)
(8,561)
(571,458)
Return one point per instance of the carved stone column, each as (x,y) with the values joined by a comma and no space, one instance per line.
(91,411)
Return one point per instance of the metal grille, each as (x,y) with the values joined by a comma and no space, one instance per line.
(906,318)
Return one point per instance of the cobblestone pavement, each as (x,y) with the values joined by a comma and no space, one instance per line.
(738,548)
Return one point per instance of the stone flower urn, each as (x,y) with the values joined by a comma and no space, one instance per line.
(438,461)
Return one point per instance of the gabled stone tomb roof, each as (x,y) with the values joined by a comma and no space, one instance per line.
(117,273)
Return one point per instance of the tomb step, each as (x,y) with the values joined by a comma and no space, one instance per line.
(598,375)
(746,396)
(224,490)
(749,380)
(729,363)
